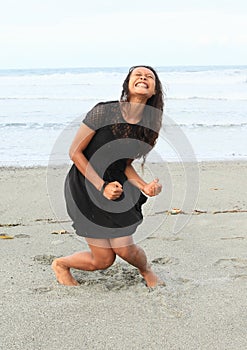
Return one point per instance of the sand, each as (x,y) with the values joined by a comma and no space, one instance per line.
(200,253)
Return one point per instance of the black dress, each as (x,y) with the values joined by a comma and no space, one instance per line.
(114,142)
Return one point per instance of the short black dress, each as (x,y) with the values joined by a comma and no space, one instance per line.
(114,142)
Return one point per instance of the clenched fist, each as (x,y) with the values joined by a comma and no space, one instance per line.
(113,190)
(153,188)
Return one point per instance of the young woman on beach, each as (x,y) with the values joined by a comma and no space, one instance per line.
(104,194)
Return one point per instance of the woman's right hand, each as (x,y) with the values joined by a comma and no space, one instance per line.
(113,190)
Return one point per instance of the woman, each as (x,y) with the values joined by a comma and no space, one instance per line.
(104,194)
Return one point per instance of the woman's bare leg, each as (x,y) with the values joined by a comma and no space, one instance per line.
(126,249)
(99,257)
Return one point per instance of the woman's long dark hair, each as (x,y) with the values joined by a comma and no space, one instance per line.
(152,116)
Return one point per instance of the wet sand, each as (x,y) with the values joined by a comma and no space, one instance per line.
(200,253)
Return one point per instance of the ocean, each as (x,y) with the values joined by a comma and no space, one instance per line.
(205,114)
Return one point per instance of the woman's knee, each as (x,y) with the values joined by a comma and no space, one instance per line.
(127,251)
(102,254)
(103,262)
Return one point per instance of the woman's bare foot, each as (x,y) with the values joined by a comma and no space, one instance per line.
(63,274)
(152,280)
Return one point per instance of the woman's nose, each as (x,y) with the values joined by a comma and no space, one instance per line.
(143,77)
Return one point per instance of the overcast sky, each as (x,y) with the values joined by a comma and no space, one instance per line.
(104,33)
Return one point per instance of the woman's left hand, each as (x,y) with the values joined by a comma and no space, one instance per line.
(153,188)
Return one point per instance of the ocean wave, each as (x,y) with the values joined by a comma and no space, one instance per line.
(61,71)
(123,69)
(98,98)
(40,126)
(56,98)
(207,98)
(202,125)
(61,126)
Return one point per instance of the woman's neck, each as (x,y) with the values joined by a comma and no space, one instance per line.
(133,111)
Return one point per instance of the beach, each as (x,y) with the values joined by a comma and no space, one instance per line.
(200,253)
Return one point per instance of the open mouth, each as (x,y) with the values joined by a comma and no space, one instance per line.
(143,85)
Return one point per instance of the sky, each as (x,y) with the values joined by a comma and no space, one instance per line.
(107,33)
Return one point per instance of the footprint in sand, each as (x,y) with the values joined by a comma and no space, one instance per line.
(42,290)
(235,264)
(44,259)
(165,260)
(181,280)
(232,263)
(240,277)
(115,277)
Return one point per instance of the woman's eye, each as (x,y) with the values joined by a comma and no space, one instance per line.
(147,76)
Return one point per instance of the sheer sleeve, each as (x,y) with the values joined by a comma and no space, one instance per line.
(96,117)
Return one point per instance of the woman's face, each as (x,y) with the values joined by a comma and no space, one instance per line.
(142,83)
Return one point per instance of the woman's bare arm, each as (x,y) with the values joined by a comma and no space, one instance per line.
(82,138)
(151,189)
(133,177)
